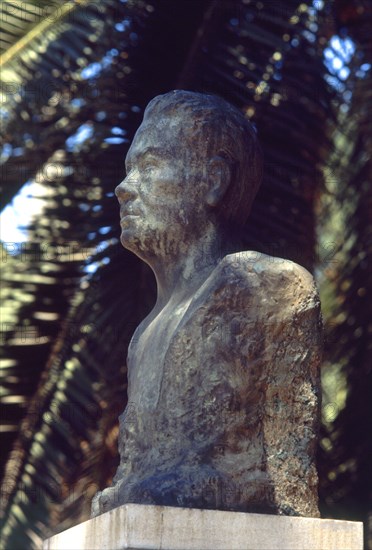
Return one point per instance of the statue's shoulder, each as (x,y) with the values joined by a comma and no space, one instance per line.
(249,263)
(253,290)
(255,275)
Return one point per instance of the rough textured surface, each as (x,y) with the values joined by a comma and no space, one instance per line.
(139,527)
(222,411)
(223,374)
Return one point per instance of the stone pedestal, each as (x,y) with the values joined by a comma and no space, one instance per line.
(136,526)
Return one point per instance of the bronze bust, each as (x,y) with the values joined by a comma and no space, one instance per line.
(223,374)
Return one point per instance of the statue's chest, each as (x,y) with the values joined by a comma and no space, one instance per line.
(147,353)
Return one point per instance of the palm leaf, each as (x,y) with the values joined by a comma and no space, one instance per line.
(267,59)
(345,447)
(19,19)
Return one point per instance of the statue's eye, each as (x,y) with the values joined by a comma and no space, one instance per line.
(149,162)
(149,167)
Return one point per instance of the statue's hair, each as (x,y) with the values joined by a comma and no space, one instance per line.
(220,129)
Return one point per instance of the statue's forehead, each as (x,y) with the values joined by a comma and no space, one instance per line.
(149,138)
(157,133)
(153,124)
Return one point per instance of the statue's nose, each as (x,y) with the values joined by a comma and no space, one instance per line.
(120,189)
(125,191)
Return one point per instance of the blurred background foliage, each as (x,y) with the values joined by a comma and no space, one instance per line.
(75,78)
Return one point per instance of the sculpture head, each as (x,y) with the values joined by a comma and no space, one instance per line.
(194,159)
(211,129)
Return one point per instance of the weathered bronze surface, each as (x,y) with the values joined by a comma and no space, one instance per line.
(223,377)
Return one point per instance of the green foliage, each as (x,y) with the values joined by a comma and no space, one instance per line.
(72,296)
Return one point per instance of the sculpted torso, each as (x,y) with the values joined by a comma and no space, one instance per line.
(223,374)
(190,437)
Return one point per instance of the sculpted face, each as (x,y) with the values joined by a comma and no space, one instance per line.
(161,203)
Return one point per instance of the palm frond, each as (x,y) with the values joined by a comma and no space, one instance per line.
(74,98)
(19,19)
(345,448)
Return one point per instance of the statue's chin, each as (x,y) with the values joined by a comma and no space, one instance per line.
(124,240)
(129,240)
(133,244)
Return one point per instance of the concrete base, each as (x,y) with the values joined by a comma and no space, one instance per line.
(136,526)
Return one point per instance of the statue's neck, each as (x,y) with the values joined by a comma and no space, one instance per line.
(181,274)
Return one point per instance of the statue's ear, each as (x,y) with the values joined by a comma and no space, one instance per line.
(220,176)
